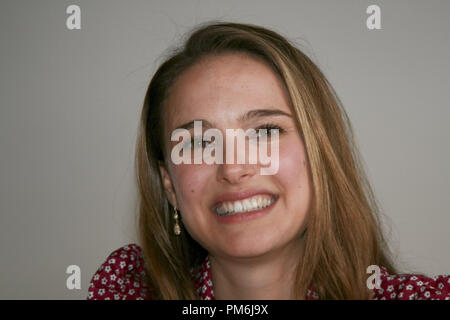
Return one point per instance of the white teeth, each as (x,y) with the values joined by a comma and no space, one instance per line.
(246,205)
(259,200)
(264,202)
(238,206)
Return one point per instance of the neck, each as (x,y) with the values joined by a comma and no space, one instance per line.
(267,277)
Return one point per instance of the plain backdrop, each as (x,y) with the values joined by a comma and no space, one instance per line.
(70,102)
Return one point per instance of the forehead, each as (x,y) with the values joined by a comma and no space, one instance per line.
(223,88)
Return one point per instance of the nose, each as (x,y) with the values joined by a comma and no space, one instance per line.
(233,172)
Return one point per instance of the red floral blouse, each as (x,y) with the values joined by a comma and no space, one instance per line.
(120,278)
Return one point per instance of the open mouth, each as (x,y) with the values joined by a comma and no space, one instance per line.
(254,203)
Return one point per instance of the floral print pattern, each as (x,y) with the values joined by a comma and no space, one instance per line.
(121,276)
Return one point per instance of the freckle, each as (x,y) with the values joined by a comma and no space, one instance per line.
(192,191)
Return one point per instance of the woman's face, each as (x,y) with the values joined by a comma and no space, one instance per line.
(221,90)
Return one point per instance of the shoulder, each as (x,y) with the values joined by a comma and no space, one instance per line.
(413,287)
(120,277)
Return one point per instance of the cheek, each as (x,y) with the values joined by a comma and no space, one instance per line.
(190,184)
(292,169)
(295,183)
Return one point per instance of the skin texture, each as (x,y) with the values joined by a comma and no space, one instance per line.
(252,259)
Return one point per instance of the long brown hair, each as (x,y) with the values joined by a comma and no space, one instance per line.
(344,234)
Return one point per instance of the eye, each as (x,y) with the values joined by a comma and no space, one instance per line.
(198,142)
(265,128)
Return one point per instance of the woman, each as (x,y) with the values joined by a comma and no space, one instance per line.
(223,230)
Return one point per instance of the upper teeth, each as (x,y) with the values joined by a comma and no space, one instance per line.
(250,204)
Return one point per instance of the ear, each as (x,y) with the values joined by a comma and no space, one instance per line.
(167,183)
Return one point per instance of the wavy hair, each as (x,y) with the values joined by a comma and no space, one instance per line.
(343,236)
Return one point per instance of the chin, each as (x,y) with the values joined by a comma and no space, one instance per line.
(248,248)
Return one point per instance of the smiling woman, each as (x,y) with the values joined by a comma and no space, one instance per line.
(223,230)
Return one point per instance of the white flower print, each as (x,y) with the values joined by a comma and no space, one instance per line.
(118,278)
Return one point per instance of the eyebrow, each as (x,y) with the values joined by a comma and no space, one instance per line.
(257,113)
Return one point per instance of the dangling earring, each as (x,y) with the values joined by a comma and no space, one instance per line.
(176,228)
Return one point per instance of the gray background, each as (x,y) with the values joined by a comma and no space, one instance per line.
(70,104)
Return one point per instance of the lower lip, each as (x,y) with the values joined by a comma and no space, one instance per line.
(245,216)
